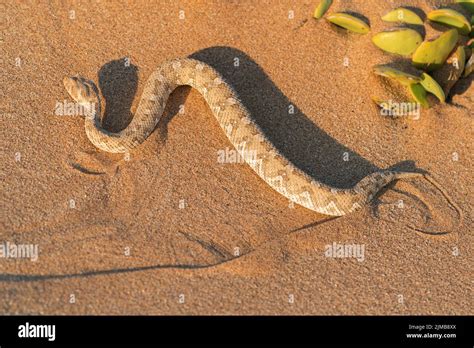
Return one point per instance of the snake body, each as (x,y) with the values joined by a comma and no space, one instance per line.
(236,122)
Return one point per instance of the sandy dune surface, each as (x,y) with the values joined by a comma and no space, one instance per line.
(171,230)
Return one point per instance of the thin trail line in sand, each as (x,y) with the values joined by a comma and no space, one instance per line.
(438,186)
(446,196)
(316,223)
(28,278)
(15,278)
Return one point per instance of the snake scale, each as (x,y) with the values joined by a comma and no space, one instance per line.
(235,120)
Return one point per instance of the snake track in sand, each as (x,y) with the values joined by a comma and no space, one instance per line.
(233,117)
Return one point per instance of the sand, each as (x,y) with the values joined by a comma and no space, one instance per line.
(171,230)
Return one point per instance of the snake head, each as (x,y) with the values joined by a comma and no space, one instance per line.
(81,90)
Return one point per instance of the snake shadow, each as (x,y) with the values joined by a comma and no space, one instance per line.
(118,83)
(295,135)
